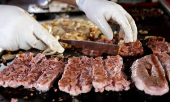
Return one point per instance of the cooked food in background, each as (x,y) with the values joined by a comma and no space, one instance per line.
(146,14)
(30,71)
(131,49)
(158,45)
(143,31)
(48,27)
(81,73)
(78,29)
(149,75)
(8,57)
(147,37)
(94,53)
(87,28)
(73,36)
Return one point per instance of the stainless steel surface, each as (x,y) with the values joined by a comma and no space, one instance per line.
(98,46)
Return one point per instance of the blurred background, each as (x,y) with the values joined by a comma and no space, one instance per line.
(26,3)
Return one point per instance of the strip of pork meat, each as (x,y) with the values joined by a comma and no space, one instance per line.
(114,68)
(100,78)
(108,74)
(158,45)
(86,74)
(82,73)
(51,73)
(164,58)
(148,75)
(13,75)
(77,76)
(30,71)
(36,71)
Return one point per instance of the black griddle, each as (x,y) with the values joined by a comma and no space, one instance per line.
(155,28)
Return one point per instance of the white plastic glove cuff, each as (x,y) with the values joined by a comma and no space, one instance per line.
(80,4)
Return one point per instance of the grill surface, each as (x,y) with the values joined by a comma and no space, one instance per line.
(156,27)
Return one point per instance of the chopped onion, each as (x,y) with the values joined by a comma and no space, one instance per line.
(8,57)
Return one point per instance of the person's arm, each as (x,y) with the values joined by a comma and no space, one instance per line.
(71,2)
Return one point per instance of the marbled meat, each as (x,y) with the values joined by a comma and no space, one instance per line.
(30,71)
(158,45)
(148,75)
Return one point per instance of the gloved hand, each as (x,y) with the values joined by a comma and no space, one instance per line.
(100,11)
(18,30)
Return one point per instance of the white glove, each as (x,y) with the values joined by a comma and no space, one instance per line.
(100,11)
(18,30)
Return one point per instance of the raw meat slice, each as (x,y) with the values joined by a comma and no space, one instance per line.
(18,75)
(85,80)
(158,45)
(32,76)
(13,75)
(114,68)
(37,59)
(77,77)
(164,58)
(24,58)
(148,75)
(69,81)
(100,80)
(30,71)
(46,80)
